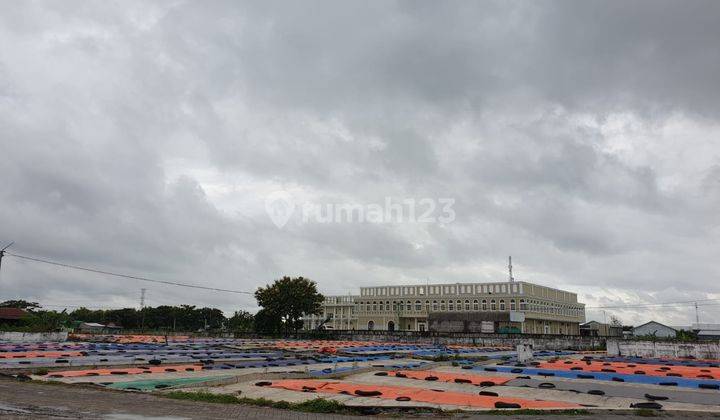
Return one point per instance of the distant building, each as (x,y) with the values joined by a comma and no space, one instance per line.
(338,313)
(655,329)
(707,331)
(503,307)
(599,329)
(12,316)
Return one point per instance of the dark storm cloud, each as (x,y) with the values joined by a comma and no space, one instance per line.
(144,137)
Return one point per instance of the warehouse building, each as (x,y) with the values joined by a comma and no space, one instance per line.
(505,307)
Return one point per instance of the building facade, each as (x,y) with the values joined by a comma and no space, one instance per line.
(504,307)
(338,314)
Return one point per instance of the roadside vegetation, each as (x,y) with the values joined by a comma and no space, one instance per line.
(282,303)
(318,405)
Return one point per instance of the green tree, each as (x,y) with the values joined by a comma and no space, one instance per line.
(267,322)
(22,304)
(287,299)
(241,321)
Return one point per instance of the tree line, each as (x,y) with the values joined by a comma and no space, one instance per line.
(282,304)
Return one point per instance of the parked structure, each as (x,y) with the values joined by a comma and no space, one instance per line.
(506,307)
(654,328)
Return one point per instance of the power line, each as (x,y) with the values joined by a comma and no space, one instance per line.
(127,276)
(646,305)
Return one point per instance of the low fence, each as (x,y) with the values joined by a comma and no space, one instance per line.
(670,349)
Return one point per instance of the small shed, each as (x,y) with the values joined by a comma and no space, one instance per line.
(654,328)
(12,316)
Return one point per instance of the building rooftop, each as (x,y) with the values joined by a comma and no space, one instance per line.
(12,313)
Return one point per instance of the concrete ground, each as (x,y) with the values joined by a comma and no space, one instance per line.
(248,389)
(25,400)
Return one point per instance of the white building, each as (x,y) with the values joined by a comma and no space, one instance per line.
(655,329)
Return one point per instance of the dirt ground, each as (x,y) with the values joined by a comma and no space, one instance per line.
(26,400)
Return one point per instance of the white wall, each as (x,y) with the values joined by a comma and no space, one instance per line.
(704,350)
(18,337)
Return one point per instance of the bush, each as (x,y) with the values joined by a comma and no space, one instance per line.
(320,405)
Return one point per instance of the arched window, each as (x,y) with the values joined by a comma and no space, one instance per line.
(382,307)
(371,325)
(492,305)
(418,305)
(451,305)
(475,305)
(512,304)
(408,306)
(459,306)
(442,305)
(427,305)
(374,306)
(368,307)
(484,305)
(435,306)
(394,306)
(502,304)
(467,305)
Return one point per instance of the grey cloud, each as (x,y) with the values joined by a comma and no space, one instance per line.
(505,106)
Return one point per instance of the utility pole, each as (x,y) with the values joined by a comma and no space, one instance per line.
(510,276)
(697,315)
(142,309)
(2,253)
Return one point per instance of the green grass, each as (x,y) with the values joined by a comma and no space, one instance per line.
(40,371)
(318,405)
(203,396)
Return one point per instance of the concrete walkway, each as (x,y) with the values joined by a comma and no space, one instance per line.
(23,400)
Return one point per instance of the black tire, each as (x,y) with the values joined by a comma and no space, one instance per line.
(402,399)
(381,374)
(488,393)
(647,405)
(501,404)
(263,383)
(361,393)
(546,385)
(596,392)
(655,397)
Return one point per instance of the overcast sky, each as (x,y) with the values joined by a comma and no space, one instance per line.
(582,138)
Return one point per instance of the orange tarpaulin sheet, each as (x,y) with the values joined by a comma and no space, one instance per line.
(632,368)
(450,377)
(124,371)
(414,394)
